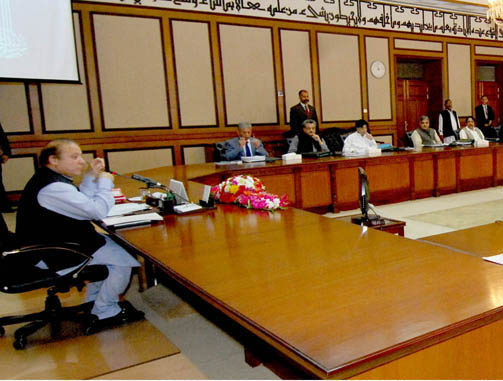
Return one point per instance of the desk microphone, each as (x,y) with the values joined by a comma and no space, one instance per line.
(146,180)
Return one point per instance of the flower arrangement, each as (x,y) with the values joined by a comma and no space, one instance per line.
(249,192)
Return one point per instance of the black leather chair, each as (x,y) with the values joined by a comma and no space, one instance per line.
(219,152)
(18,274)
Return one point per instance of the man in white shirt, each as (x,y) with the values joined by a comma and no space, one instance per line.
(448,123)
(359,142)
(471,132)
(53,210)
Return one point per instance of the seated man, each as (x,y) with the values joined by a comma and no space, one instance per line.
(424,134)
(244,144)
(52,210)
(359,142)
(307,140)
(470,131)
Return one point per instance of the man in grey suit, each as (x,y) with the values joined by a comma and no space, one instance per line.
(244,144)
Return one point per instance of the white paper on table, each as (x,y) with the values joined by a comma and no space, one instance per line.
(110,221)
(498,258)
(126,208)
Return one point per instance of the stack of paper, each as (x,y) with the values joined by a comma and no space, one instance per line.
(495,258)
(126,221)
(126,208)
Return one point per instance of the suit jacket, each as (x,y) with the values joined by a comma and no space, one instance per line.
(481,118)
(298,115)
(233,151)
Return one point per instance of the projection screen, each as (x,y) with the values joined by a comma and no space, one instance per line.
(37,40)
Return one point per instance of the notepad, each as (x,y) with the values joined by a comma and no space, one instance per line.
(126,208)
(495,258)
(130,220)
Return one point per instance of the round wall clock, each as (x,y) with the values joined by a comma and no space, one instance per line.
(378,69)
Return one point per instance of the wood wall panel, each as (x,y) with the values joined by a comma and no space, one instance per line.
(489,50)
(248,74)
(417,45)
(339,61)
(315,188)
(131,70)
(379,89)
(196,95)
(296,61)
(120,161)
(14,107)
(460,82)
(66,106)
(17,171)
(194,155)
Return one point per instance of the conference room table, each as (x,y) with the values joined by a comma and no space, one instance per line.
(481,241)
(334,299)
(332,183)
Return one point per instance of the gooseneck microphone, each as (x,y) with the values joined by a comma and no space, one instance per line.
(150,182)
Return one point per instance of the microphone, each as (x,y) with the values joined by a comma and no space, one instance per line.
(150,182)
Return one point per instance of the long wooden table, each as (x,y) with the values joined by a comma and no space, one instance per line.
(480,241)
(336,299)
(332,183)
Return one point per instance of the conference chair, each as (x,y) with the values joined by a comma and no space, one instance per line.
(18,274)
(219,152)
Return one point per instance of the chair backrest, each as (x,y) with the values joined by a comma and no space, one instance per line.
(7,239)
(332,137)
(219,152)
(408,137)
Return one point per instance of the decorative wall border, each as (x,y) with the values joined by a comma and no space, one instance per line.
(352,13)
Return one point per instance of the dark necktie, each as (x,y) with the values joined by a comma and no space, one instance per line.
(308,113)
(248,151)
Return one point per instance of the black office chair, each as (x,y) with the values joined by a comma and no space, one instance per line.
(219,152)
(18,273)
(408,138)
(334,137)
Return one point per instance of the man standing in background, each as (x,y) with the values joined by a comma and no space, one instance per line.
(448,123)
(484,115)
(4,157)
(302,111)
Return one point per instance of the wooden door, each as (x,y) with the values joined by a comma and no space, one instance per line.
(492,90)
(412,102)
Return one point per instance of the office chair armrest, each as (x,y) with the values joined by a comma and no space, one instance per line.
(32,251)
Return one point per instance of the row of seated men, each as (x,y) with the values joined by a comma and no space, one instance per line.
(304,135)
(307,140)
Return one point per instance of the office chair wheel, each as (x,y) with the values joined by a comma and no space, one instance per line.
(90,325)
(2,331)
(20,343)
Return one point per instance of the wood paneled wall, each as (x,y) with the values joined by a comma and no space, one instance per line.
(167,82)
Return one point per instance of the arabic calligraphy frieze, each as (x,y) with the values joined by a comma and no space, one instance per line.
(350,13)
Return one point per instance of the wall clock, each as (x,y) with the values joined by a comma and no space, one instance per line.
(378,69)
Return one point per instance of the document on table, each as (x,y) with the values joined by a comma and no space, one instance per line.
(126,208)
(137,219)
(495,258)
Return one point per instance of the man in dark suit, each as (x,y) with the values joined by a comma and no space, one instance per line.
(302,111)
(4,156)
(484,115)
